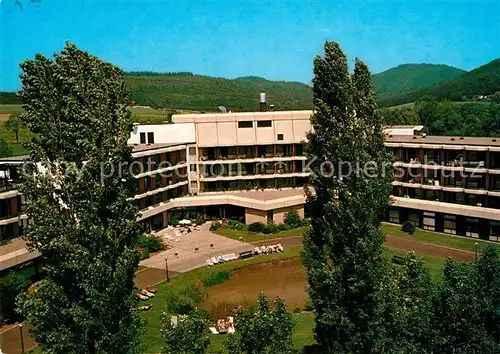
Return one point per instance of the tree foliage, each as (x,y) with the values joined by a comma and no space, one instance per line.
(5,149)
(11,285)
(343,251)
(264,330)
(449,118)
(409,77)
(484,80)
(189,335)
(83,225)
(205,93)
(14,123)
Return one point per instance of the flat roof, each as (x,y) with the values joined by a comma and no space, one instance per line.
(240,116)
(146,147)
(443,140)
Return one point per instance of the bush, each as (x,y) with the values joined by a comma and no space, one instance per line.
(284,227)
(199,221)
(297,310)
(408,227)
(181,305)
(217,278)
(306,222)
(270,228)
(236,225)
(11,286)
(144,254)
(293,220)
(215,225)
(173,220)
(256,227)
(151,243)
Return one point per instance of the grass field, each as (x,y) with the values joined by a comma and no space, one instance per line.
(152,339)
(458,242)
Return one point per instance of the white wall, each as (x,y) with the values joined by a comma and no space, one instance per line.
(165,133)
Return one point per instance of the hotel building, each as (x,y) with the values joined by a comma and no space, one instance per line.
(252,166)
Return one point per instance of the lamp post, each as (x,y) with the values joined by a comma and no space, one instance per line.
(475,252)
(166,269)
(22,338)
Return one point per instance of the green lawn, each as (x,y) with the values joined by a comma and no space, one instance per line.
(434,264)
(436,238)
(248,236)
(152,339)
(10,108)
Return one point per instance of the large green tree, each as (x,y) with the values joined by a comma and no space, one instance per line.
(76,186)
(343,251)
(263,330)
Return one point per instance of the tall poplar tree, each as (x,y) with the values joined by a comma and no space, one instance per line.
(76,186)
(350,191)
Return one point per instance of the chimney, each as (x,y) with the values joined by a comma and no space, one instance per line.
(263,107)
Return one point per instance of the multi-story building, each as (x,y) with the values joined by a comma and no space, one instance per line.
(447,184)
(252,166)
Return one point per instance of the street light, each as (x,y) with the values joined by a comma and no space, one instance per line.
(22,338)
(475,252)
(166,269)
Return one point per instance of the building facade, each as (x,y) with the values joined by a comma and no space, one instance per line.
(252,166)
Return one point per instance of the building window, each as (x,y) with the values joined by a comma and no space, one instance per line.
(429,221)
(450,224)
(192,151)
(192,168)
(280,136)
(246,124)
(394,216)
(264,123)
(151,138)
(143,138)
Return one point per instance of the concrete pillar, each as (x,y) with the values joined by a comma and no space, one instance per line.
(165,218)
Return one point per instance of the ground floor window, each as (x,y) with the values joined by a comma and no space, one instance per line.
(394,216)
(450,224)
(494,231)
(414,218)
(472,228)
(429,221)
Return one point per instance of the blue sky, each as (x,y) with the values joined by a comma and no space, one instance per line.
(272,39)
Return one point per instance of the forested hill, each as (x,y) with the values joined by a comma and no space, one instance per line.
(205,93)
(409,77)
(484,80)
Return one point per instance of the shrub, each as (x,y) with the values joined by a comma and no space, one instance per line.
(181,305)
(297,310)
(293,220)
(215,225)
(150,242)
(236,225)
(11,286)
(144,254)
(306,222)
(408,227)
(200,221)
(256,227)
(173,220)
(270,228)
(217,278)
(284,227)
